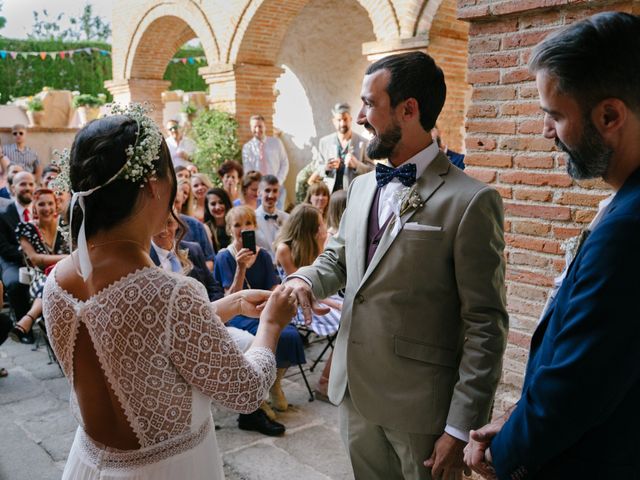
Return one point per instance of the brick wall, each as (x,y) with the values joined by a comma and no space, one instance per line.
(505,148)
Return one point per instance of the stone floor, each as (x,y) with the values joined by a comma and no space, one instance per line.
(37,427)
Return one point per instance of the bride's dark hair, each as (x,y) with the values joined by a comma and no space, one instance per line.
(97,153)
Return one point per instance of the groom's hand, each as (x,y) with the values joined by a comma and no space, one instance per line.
(446,460)
(306,301)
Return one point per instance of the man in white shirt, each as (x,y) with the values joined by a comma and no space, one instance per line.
(180,147)
(269,217)
(265,155)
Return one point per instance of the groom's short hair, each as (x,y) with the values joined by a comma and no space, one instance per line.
(415,75)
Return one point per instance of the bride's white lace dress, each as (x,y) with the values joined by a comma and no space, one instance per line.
(166,355)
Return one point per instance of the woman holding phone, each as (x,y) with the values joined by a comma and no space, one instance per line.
(238,268)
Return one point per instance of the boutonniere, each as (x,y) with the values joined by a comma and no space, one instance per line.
(405,200)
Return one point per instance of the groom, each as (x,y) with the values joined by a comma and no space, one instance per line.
(420,251)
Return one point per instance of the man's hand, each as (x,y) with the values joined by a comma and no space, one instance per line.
(333,164)
(446,460)
(252,302)
(351,161)
(476,454)
(306,301)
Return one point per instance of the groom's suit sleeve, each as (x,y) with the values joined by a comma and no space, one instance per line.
(480,270)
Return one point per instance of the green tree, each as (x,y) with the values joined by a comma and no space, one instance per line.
(47,28)
(215,134)
(86,27)
(3,21)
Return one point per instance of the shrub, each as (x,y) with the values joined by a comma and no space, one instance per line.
(88,100)
(215,134)
(35,105)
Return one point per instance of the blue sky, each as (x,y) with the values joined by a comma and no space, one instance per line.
(20,17)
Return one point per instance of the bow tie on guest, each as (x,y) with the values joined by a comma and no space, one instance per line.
(273,217)
(405,173)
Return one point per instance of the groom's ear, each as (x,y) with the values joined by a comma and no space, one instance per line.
(410,110)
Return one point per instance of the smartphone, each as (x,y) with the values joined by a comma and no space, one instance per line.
(249,240)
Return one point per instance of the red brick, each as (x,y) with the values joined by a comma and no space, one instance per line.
(520,108)
(563,233)
(521,339)
(584,216)
(493,27)
(594,183)
(582,199)
(543,245)
(493,93)
(523,39)
(524,227)
(488,159)
(493,60)
(505,192)
(491,126)
(531,126)
(528,91)
(486,176)
(516,76)
(533,161)
(529,259)
(533,195)
(530,278)
(480,143)
(483,76)
(483,111)
(528,143)
(539,19)
(537,211)
(484,44)
(538,179)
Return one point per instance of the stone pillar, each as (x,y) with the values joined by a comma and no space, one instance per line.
(140,91)
(383,48)
(243,90)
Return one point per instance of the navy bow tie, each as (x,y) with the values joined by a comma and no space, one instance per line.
(271,217)
(406,174)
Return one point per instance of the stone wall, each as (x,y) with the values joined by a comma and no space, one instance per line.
(506,149)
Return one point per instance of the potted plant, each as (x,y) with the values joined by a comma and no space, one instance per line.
(88,106)
(187,113)
(35,111)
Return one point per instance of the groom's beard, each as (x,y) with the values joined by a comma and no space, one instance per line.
(591,157)
(381,146)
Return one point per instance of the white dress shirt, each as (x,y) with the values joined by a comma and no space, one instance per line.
(185,145)
(268,229)
(275,157)
(422,159)
(21,210)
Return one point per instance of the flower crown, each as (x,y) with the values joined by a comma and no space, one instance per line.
(140,156)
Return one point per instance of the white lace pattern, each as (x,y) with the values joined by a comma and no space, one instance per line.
(157,336)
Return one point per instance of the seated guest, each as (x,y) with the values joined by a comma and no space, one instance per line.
(238,268)
(299,242)
(43,245)
(4,168)
(5,327)
(12,169)
(200,183)
(186,258)
(249,191)
(454,157)
(49,173)
(230,173)
(183,173)
(318,196)
(337,206)
(196,231)
(11,258)
(218,204)
(187,192)
(269,218)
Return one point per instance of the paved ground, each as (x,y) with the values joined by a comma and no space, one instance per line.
(37,428)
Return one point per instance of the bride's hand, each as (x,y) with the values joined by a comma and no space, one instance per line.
(252,302)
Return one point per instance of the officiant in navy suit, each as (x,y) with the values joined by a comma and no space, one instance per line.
(578,413)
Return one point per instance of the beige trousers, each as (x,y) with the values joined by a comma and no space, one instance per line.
(380,453)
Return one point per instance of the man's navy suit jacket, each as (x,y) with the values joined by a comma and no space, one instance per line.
(200,271)
(579,413)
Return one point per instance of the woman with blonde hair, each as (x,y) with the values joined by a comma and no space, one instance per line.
(238,268)
(200,183)
(184,185)
(318,196)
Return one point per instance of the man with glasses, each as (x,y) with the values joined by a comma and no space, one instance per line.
(180,147)
(19,153)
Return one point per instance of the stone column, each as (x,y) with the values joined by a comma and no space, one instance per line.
(243,90)
(140,90)
(382,48)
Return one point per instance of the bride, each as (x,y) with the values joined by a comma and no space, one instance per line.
(144,350)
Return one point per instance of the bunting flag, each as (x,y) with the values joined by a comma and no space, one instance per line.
(64,54)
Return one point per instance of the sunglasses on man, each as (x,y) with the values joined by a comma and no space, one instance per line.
(17,133)
(173,129)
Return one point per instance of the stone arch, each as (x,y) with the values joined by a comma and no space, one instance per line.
(263,24)
(160,32)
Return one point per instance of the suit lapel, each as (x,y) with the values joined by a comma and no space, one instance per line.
(428,183)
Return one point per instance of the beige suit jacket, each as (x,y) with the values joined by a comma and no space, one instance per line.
(423,328)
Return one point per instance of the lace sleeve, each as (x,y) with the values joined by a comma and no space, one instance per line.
(205,355)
